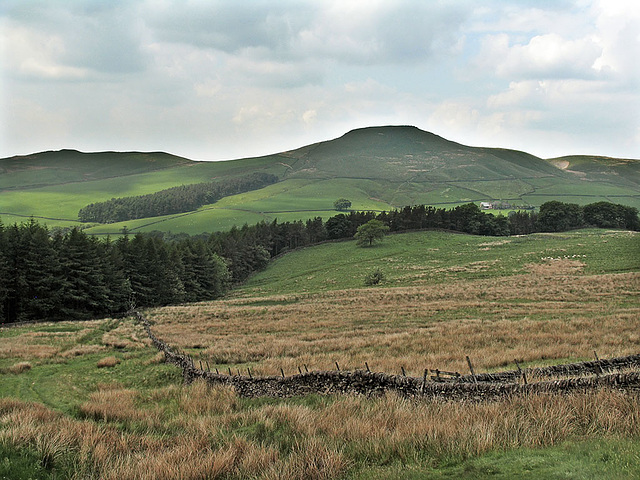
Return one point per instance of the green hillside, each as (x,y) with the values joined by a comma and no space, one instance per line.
(70,166)
(614,171)
(377,168)
(408,154)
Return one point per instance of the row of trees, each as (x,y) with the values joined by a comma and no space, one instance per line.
(184,198)
(74,276)
(557,216)
(249,248)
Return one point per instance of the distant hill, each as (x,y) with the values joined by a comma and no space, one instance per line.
(407,153)
(63,166)
(377,168)
(617,171)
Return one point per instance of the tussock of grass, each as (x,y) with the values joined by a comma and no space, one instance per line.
(108,362)
(157,359)
(19,367)
(126,335)
(79,350)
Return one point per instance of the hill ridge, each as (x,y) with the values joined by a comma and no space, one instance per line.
(376,167)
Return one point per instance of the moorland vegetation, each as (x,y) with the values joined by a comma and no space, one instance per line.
(93,399)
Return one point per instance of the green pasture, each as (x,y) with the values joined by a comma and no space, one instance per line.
(500,189)
(438,257)
(65,380)
(587,460)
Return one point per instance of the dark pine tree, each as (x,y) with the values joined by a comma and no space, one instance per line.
(36,283)
(85,292)
(4,274)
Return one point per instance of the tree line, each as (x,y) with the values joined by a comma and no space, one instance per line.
(249,248)
(184,198)
(75,276)
(54,275)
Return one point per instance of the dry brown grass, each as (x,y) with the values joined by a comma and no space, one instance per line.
(108,362)
(126,335)
(198,444)
(80,350)
(19,367)
(45,345)
(552,313)
(156,359)
(23,346)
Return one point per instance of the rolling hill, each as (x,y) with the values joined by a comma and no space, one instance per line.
(377,168)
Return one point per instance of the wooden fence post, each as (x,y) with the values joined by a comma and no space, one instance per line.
(473,374)
(424,380)
(522,374)
(598,360)
(282,372)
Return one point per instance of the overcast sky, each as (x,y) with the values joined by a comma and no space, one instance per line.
(213,80)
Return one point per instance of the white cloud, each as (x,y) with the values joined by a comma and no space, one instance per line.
(34,54)
(309,116)
(219,79)
(373,32)
(75,41)
(618,29)
(544,56)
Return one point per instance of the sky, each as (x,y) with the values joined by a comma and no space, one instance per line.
(217,80)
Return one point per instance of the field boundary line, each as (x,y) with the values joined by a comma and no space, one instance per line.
(585,376)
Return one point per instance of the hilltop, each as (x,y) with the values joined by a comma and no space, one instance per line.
(405,153)
(377,168)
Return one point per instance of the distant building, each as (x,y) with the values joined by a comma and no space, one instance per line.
(486,205)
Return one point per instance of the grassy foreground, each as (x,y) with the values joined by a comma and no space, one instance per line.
(94,400)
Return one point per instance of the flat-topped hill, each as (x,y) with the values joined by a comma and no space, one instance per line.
(376,168)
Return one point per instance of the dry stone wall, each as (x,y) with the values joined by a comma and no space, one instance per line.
(584,376)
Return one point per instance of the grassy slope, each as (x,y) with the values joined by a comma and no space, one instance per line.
(377,168)
(64,356)
(433,257)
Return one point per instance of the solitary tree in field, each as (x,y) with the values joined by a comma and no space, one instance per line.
(342,204)
(370,232)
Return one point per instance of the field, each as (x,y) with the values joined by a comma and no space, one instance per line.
(107,407)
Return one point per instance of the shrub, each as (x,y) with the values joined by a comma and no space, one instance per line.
(374,278)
